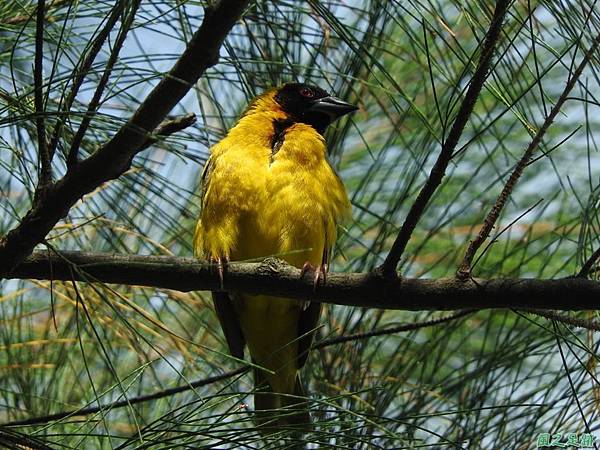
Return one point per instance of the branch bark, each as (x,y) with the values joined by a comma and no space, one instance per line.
(45,173)
(274,277)
(114,157)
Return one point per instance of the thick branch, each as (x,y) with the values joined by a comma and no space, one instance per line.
(274,277)
(439,168)
(115,156)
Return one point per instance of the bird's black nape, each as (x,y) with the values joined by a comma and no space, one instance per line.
(312,105)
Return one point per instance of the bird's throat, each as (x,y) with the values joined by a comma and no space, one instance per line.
(279,128)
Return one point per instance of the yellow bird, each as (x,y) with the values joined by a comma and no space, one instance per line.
(268,189)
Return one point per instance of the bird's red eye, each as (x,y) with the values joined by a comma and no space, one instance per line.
(307,92)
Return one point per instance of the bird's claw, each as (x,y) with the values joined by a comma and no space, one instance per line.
(320,273)
(221,264)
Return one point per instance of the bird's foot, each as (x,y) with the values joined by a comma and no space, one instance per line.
(319,273)
(220,264)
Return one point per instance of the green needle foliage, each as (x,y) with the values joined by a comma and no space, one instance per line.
(489,379)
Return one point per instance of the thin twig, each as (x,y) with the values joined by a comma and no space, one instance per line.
(10,439)
(168,127)
(587,324)
(464,270)
(580,323)
(171,126)
(73,153)
(392,330)
(83,69)
(589,264)
(439,169)
(45,174)
(506,228)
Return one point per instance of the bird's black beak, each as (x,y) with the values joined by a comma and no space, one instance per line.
(333,107)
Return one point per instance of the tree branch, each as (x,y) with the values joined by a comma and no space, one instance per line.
(589,264)
(274,277)
(576,322)
(114,158)
(14,440)
(45,174)
(131,401)
(439,169)
(170,126)
(391,330)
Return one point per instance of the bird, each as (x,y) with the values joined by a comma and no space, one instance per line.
(268,189)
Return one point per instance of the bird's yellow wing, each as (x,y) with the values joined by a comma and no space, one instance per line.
(204,182)
(221,300)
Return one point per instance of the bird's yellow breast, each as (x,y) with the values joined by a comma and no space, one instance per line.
(304,197)
(260,204)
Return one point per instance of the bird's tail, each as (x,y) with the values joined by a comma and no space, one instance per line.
(275,412)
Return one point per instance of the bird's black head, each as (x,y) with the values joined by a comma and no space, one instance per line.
(311,105)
